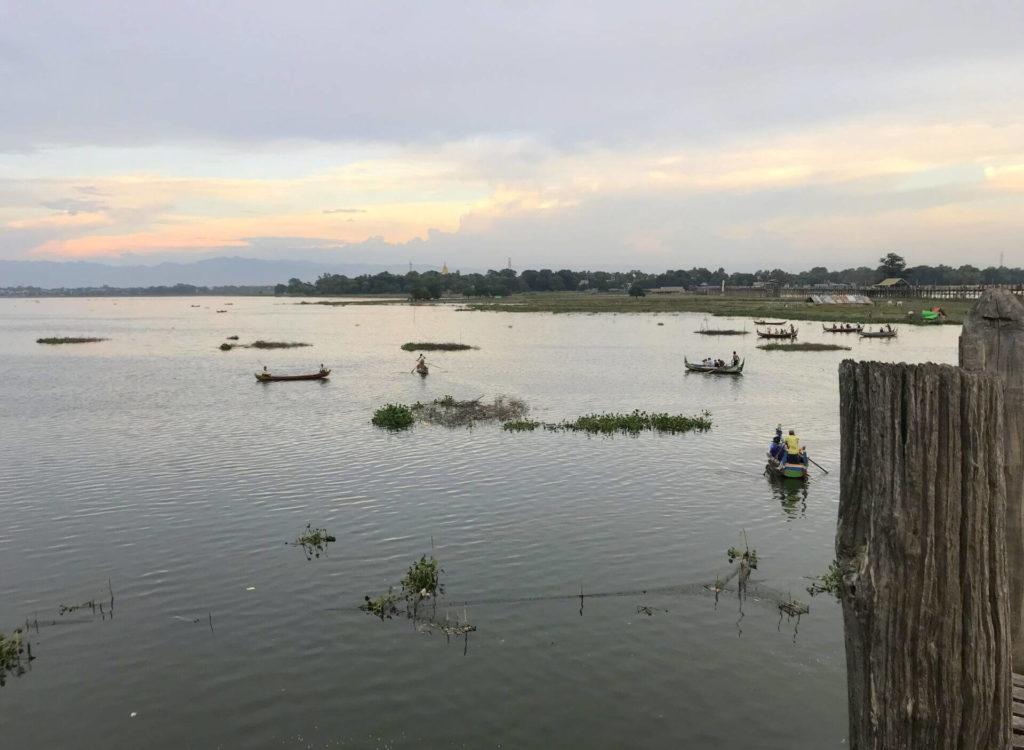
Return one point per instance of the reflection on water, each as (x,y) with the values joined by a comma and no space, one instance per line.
(158,461)
(791,492)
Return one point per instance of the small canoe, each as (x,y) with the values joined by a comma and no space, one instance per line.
(878,334)
(422,370)
(769,322)
(839,329)
(787,335)
(711,370)
(793,467)
(266,377)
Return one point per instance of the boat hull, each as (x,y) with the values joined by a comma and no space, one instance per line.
(776,335)
(787,469)
(266,378)
(857,329)
(878,335)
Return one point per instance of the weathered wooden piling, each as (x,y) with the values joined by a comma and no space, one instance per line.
(921,546)
(992,341)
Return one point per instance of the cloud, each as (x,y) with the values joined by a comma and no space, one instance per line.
(569,73)
(73,206)
(344,211)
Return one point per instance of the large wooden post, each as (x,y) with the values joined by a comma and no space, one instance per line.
(992,341)
(921,547)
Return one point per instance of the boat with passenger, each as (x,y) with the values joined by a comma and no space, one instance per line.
(714,367)
(266,377)
(842,328)
(786,457)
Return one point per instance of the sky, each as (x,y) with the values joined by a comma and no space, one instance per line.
(596,135)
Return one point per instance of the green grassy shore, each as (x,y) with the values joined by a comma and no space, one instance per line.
(780,308)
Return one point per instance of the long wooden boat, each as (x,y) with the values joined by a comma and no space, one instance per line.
(266,377)
(878,334)
(711,370)
(787,335)
(839,329)
(770,322)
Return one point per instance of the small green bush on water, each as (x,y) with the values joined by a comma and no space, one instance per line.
(423,579)
(227,347)
(749,555)
(393,417)
(232,338)
(830,583)
(11,649)
(522,425)
(69,340)
(313,541)
(428,347)
(383,606)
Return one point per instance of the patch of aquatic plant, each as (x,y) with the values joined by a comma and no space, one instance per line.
(227,347)
(522,425)
(429,347)
(423,579)
(11,649)
(805,347)
(70,340)
(722,332)
(829,583)
(232,338)
(749,555)
(276,344)
(313,541)
(383,606)
(449,412)
(632,424)
(393,417)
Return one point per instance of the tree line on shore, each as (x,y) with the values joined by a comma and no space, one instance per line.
(432,284)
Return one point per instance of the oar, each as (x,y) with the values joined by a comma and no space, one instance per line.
(817,464)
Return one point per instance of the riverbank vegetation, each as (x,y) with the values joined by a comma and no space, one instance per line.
(428,347)
(608,424)
(720,332)
(505,282)
(70,340)
(777,308)
(805,347)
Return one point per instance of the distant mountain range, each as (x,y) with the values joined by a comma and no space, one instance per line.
(209,272)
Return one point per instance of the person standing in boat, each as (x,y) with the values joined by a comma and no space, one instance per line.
(421,362)
(735,359)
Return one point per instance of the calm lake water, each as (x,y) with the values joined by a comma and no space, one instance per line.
(155,461)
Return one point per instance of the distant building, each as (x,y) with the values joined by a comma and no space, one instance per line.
(444,268)
(668,290)
(894,282)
